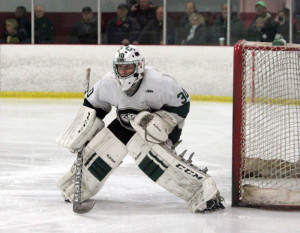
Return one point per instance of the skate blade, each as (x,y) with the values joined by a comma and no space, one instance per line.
(84,207)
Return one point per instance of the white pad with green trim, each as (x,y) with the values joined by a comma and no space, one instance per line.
(83,128)
(101,157)
(165,167)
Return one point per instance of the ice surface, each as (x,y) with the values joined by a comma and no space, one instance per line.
(30,163)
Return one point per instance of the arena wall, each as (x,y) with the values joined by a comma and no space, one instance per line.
(204,71)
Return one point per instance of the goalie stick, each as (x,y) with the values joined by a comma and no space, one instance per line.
(78,206)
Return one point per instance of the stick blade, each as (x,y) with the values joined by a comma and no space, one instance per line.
(83,207)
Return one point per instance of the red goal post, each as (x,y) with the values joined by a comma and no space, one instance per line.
(266,126)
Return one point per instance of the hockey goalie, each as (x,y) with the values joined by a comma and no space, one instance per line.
(151,108)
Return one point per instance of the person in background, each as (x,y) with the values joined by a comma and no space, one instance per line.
(151,108)
(24,29)
(197,33)
(260,32)
(283,26)
(190,8)
(269,29)
(131,3)
(10,35)
(44,28)
(153,31)
(122,29)
(143,11)
(219,30)
(85,31)
(185,24)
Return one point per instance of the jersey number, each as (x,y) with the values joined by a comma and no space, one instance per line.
(90,92)
(183,96)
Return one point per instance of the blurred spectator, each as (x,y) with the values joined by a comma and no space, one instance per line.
(190,8)
(259,29)
(131,3)
(85,31)
(10,35)
(153,31)
(268,31)
(24,29)
(210,18)
(143,11)
(197,33)
(185,24)
(122,29)
(44,28)
(283,25)
(237,28)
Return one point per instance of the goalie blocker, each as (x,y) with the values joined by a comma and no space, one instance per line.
(161,164)
(83,128)
(103,153)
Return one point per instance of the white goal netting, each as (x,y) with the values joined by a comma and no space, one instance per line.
(270,156)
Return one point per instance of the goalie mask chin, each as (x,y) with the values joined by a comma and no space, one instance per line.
(127,55)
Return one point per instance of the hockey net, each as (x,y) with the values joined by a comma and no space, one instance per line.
(266,125)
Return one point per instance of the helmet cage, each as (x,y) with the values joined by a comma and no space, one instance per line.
(115,67)
(125,56)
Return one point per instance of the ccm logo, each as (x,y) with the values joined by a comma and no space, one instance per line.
(85,123)
(188,171)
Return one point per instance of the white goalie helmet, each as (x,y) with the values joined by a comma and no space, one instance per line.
(126,55)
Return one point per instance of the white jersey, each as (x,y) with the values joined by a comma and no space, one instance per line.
(157,91)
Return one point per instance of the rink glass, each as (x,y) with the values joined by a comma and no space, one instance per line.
(65,14)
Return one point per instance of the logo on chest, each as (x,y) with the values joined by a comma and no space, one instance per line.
(127,116)
(124,115)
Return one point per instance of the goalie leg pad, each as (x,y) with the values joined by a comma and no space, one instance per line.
(165,167)
(83,128)
(102,156)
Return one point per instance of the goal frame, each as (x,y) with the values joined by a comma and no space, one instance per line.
(237,130)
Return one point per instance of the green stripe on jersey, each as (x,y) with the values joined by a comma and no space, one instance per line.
(182,110)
